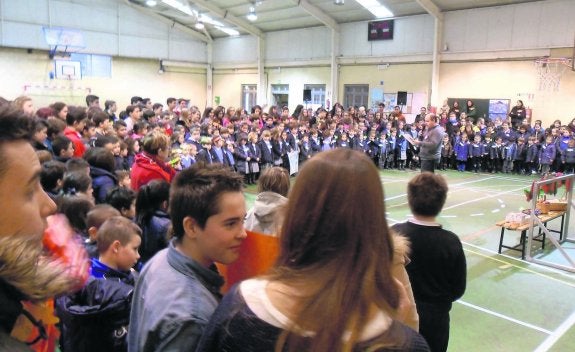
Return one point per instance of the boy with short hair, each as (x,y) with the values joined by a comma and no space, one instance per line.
(123,199)
(94,220)
(438,269)
(63,148)
(97,317)
(179,288)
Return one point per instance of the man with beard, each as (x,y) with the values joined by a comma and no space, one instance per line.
(26,274)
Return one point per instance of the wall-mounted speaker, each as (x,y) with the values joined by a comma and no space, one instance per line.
(402,98)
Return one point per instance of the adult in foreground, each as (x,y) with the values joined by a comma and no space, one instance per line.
(27,273)
(179,288)
(430,145)
(437,270)
(331,288)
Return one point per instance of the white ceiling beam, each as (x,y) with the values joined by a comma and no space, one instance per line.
(318,14)
(431,8)
(170,22)
(228,17)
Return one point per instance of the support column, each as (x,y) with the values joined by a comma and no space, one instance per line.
(437,40)
(210,76)
(262,89)
(333,97)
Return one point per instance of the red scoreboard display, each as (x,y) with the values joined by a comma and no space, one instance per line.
(380,30)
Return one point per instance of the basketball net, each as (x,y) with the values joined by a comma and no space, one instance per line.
(550,71)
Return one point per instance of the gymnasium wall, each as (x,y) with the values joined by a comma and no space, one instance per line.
(22,72)
(509,80)
(228,83)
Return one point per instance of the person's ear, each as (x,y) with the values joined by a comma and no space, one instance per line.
(92,232)
(191,227)
(116,246)
(124,212)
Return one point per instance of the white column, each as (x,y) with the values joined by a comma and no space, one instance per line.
(210,76)
(262,89)
(436,99)
(333,97)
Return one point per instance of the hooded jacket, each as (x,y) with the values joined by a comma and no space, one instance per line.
(262,216)
(147,168)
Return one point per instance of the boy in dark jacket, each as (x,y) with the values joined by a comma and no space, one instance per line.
(568,157)
(520,155)
(97,317)
(532,156)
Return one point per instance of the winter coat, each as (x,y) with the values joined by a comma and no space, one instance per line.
(102,182)
(96,318)
(146,169)
(154,235)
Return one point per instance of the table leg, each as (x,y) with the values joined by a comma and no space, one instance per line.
(501,239)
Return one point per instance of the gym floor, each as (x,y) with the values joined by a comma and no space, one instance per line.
(509,304)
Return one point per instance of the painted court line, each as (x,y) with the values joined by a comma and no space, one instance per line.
(502,316)
(472,181)
(557,334)
(490,257)
(482,198)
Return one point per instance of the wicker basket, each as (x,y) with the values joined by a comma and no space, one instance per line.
(543,207)
(557,206)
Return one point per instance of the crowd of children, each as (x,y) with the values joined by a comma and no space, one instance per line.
(90,156)
(501,146)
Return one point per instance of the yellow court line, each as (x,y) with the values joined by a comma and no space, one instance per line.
(519,267)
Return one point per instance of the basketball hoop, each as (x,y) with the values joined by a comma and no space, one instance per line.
(550,70)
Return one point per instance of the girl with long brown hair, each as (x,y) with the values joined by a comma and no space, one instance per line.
(332,287)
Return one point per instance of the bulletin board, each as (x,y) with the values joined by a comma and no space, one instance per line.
(488,108)
(414,102)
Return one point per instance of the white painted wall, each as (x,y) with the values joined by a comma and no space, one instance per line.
(534,25)
(28,73)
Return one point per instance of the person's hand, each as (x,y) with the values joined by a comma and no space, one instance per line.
(405,305)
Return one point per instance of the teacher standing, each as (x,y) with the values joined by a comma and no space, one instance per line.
(430,145)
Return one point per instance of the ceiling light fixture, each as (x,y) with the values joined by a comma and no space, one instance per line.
(179,6)
(200,25)
(228,31)
(208,19)
(151,3)
(252,14)
(377,9)
(339,2)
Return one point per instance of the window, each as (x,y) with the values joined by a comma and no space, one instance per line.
(280,95)
(249,96)
(317,95)
(94,65)
(356,94)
